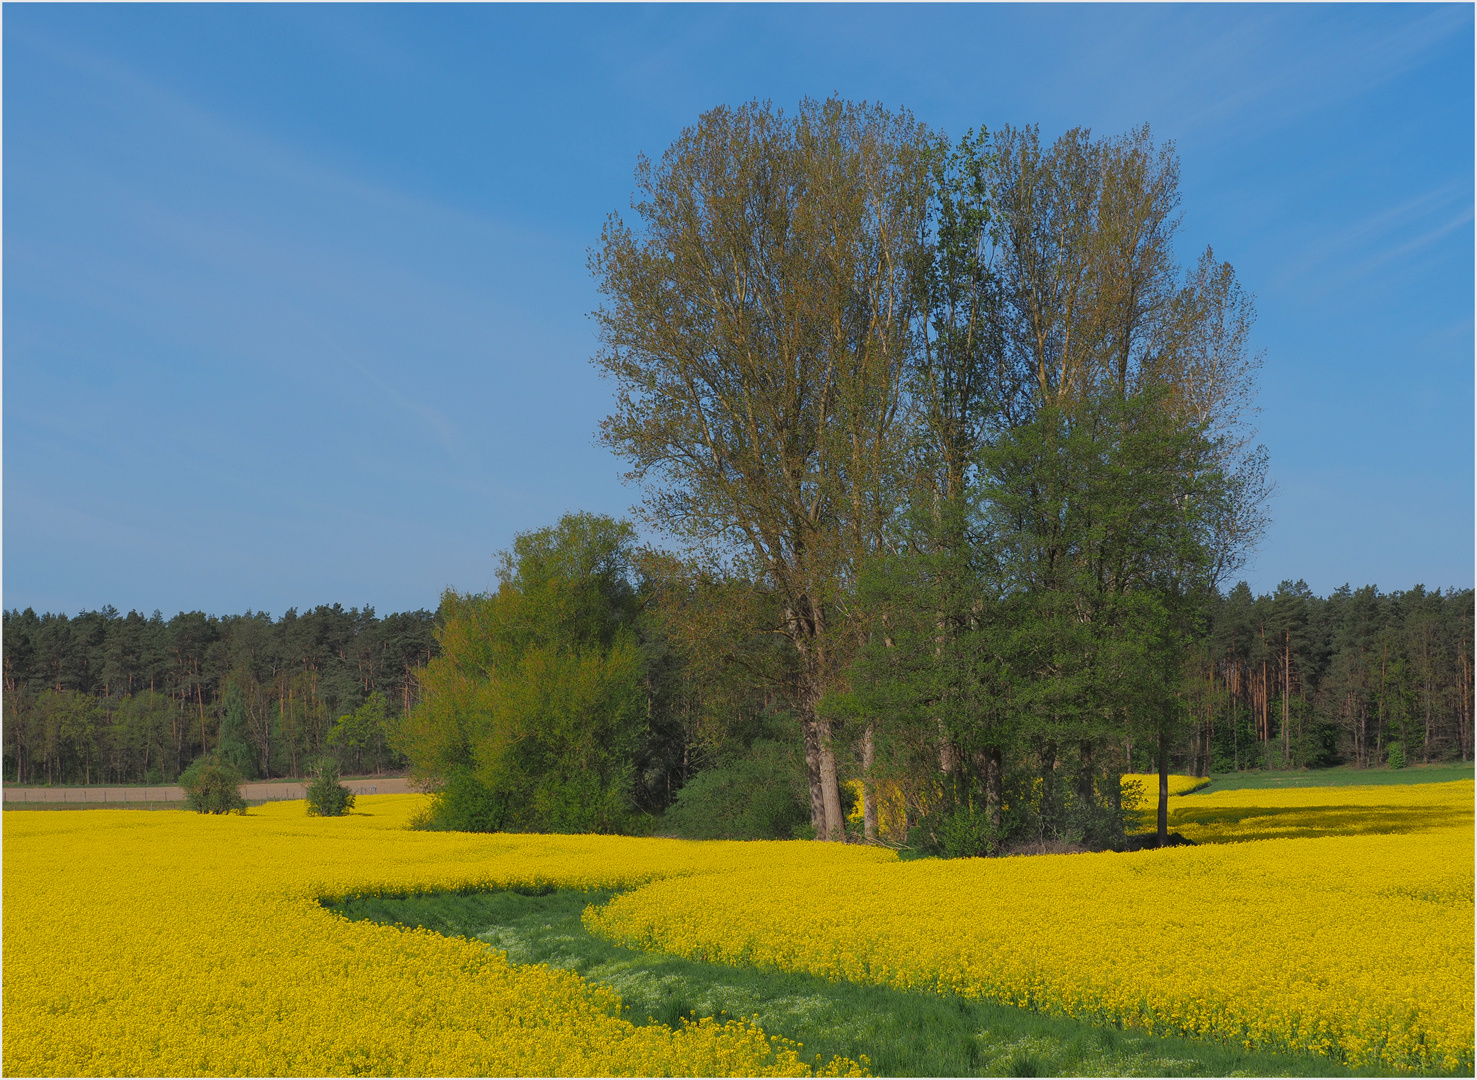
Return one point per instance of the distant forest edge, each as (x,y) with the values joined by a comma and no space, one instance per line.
(110,698)
(1286,679)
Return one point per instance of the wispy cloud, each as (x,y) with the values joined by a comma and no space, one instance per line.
(1275,66)
(294,269)
(1408,228)
(271,160)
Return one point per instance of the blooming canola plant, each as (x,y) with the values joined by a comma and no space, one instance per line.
(178,944)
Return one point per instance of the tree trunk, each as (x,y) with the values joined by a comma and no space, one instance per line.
(1463,720)
(811,731)
(1379,716)
(869,791)
(1286,702)
(1356,720)
(994,785)
(831,789)
(1085,762)
(807,626)
(1430,681)
(1163,754)
(1264,726)
(948,756)
(1235,726)
(1210,726)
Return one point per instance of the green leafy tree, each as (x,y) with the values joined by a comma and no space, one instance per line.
(533,711)
(927,678)
(80,718)
(50,708)
(212,786)
(144,722)
(756,320)
(234,745)
(1104,523)
(1085,479)
(326,796)
(1057,627)
(363,734)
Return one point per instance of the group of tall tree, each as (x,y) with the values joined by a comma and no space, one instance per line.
(957,412)
(109,698)
(952,460)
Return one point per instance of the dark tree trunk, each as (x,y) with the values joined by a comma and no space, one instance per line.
(869,792)
(994,784)
(1084,773)
(1163,823)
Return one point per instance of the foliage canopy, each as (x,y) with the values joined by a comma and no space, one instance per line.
(326,797)
(849,349)
(532,712)
(212,786)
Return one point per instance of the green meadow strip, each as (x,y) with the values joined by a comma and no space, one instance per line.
(902,1034)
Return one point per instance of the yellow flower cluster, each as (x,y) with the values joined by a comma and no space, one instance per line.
(179,944)
(1338,935)
(1287,813)
(182,944)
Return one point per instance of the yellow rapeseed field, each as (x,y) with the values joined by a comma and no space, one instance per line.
(1286,813)
(172,943)
(1346,930)
(1144,788)
(177,944)
(1141,797)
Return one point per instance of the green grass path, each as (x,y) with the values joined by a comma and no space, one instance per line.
(903,1034)
(1340,776)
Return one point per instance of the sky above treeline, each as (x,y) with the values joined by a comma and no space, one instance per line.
(296,297)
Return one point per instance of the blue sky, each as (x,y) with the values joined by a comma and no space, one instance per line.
(295,297)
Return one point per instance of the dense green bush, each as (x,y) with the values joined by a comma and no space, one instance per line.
(532,715)
(759,796)
(326,796)
(464,804)
(958,830)
(968,832)
(1395,755)
(212,786)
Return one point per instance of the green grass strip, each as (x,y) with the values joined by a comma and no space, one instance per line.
(903,1034)
(1341,776)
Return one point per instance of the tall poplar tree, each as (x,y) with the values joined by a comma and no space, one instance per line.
(757,321)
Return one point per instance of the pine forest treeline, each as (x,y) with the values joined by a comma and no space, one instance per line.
(103,697)
(1291,680)
(1286,679)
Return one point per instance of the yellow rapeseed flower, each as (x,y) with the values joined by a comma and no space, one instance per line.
(1347,931)
(179,944)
